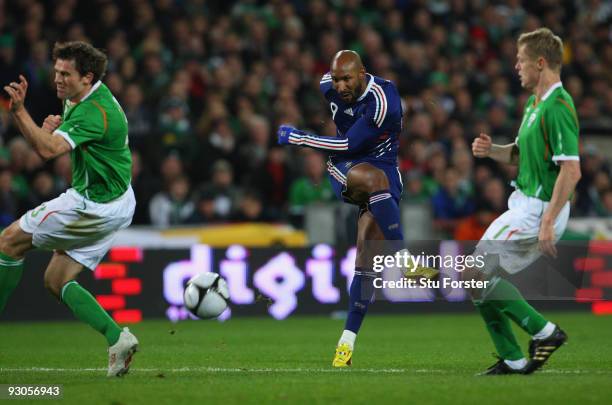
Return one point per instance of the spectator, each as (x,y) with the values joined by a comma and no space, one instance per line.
(313,187)
(172,207)
(273,179)
(204,212)
(8,198)
(43,189)
(232,72)
(474,226)
(606,199)
(450,203)
(415,190)
(251,208)
(145,186)
(175,127)
(138,116)
(223,188)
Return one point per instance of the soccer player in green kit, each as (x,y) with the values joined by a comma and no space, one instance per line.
(79,225)
(546,151)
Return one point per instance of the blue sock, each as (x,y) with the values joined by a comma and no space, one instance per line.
(361,294)
(386,214)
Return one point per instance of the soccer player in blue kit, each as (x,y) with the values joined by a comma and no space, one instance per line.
(363,170)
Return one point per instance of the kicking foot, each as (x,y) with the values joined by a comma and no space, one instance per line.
(120,354)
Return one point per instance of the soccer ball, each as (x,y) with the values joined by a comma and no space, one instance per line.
(206,295)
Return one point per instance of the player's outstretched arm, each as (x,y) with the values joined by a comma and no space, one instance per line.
(483,147)
(43,141)
(353,141)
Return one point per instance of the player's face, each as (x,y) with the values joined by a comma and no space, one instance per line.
(347,83)
(527,68)
(69,83)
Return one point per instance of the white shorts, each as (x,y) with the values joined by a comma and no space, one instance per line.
(82,228)
(511,241)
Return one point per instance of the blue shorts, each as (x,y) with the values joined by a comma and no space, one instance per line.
(338,170)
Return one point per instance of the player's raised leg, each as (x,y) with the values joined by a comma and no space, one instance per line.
(60,280)
(368,181)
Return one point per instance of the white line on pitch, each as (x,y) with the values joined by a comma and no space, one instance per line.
(274,370)
(211,370)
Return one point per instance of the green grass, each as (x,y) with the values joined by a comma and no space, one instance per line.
(424,359)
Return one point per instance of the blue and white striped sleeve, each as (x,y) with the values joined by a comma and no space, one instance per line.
(355,139)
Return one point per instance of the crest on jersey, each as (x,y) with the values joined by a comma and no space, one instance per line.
(349,111)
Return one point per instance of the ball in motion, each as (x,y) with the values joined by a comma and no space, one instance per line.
(206,295)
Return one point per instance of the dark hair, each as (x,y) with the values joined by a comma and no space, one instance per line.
(86,58)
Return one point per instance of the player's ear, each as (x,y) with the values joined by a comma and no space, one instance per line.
(88,78)
(362,74)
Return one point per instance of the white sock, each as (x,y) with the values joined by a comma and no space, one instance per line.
(516,364)
(546,331)
(348,337)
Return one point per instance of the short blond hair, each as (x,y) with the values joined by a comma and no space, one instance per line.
(543,42)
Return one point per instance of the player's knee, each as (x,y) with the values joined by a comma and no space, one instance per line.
(472,274)
(8,239)
(54,282)
(14,242)
(376,180)
(368,179)
(469,274)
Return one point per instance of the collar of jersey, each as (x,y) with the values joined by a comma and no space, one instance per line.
(93,88)
(550,90)
(367,89)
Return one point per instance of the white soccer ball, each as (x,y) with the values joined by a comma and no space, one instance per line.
(206,295)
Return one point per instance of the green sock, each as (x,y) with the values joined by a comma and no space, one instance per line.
(10,274)
(509,300)
(500,330)
(86,309)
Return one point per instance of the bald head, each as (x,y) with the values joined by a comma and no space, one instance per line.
(348,75)
(347,60)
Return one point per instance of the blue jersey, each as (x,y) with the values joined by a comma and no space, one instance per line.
(370,127)
(367,132)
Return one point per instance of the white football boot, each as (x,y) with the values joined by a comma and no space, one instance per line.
(120,354)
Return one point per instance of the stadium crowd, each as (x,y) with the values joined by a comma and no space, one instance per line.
(205,84)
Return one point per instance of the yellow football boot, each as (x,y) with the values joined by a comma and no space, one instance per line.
(418,272)
(343,356)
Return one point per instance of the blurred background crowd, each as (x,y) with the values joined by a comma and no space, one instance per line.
(205,84)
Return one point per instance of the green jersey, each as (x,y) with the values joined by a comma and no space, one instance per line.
(97,130)
(548,134)
(304,192)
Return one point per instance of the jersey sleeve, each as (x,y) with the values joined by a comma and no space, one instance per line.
(353,141)
(325,84)
(561,127)
(86,123)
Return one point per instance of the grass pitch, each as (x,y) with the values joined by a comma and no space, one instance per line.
(399,359)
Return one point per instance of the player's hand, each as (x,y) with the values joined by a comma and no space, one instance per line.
(546,240)
(51,123)
(481,147)
(17,92)
(283,134)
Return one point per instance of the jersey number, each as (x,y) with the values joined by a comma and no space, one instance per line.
(334,109)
